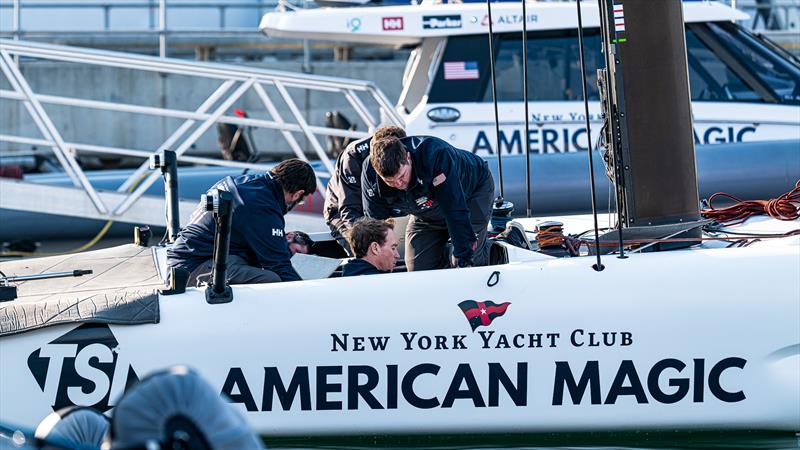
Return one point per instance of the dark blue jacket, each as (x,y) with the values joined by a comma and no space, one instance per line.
(257,231)
(343,193)
(443,178)
(359,267)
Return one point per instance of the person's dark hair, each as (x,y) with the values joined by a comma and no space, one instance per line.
(387,131)
(302,238)
(387,155)
(365,231)
(295,175)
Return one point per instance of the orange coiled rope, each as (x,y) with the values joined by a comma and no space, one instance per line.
(785,207)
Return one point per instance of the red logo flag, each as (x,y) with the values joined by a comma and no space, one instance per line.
(481,314)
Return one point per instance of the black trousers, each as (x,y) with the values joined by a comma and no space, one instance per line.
(239,272)
(426,240)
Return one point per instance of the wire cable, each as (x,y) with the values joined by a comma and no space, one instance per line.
(599,265)
(785,207)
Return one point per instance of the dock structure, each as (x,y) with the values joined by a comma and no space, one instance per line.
(276,91)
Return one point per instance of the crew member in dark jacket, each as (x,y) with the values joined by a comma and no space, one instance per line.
(375,246)
(343,195)
(447,191)
(259,252)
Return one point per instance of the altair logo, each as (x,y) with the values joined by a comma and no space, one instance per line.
(82,368)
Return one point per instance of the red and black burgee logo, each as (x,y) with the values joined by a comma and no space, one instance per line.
(481,314)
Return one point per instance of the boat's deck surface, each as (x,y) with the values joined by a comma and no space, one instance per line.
(122,288)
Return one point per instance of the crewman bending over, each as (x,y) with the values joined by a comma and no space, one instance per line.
(375,246)
(343,198)
(259,251)
(447,191)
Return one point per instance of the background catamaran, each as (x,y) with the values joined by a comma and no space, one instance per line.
(703,337)
(743,88)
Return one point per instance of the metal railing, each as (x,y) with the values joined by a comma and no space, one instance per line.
(234,81)
(154,12)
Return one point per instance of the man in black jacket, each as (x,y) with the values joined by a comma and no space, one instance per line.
(259,252)
(447,191)
(375,246)
(343,196)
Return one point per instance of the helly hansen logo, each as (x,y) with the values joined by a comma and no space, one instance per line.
(392,23)
(277,232)
(82,368)
(481,314)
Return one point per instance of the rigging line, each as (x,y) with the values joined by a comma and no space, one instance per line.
(525,99)
(494,101)
(599,265)
(611,133)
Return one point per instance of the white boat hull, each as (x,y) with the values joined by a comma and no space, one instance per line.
(702,339)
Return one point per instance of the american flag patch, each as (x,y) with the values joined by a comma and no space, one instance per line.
(619,18)
(461,70)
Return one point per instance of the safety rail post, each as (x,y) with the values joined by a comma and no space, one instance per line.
(220,203)
(168,163)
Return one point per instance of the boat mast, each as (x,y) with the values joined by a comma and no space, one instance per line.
(646,102)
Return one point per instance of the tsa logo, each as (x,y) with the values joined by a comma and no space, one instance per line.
(82,368)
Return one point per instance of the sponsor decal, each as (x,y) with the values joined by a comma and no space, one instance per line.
(354,24)
(461,70)
(619,23)
(444,114)
(277,232)
(424,202)
(549,139)
(505,19)
(392,23)
(441,22)
(82,368)
(567,381)
(481,314)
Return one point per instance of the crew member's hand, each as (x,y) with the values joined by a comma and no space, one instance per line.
(465,261)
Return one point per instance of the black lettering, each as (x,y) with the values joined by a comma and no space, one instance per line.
(514,144)
(273,383)
(391,386)
(441,342)
(519,340)
(482,143)
(424,342)
(409,338)
(341,342)
(358,344)
(576,139)
(699,380)
(458,342)
(324,388)
(408,386)
(627,338)
(502,342)
(592,342)
(235,379)
(707,135)
(715,374)
(572,337)
(485,336)
(535,340)
(518,393)
(626,371)
(549,138)
(681,383)
(379,342)
(609,341)
(354,389)
(590,377)
(463,374)
(740,134)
